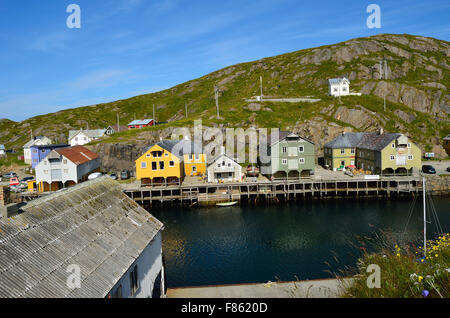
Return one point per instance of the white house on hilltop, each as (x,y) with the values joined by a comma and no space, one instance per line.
(83,137)
(338,87)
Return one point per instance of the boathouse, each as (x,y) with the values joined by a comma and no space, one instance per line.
(89,241)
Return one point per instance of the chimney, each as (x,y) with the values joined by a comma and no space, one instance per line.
(222,150)
(381,131)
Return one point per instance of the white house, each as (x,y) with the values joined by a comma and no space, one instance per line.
(36,141)
(83,137)
(65,167)
(2,151)
(89,241)
(224,169)
(338,87)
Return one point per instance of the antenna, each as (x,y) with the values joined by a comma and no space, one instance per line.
(216,95)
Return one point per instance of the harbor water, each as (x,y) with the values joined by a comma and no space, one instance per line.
(295,241)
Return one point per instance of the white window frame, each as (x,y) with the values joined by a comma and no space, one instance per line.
(301,149)
(392,157)
(284,162)
(172,163)
(143,165)
(302,161)
(410,157)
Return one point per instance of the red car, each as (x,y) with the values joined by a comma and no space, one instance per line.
(14,181)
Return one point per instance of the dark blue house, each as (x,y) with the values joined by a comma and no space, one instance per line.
(40,152)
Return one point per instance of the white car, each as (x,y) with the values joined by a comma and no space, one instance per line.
(94,176)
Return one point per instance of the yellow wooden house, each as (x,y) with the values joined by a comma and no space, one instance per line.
(169,161)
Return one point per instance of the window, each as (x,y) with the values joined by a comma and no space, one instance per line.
(143,165)
(218,165)
(118,292)
(154,166)
(302,161)
(284,149)
(172,163)
(409,145)
(194,168)
(76,138)
(343,163)
(223,163)
(43,150)
(197,157)
(335,89)
(229,164)
(46,171)
(161,165)
(134,283)
(342,151)
(284,161)
(392,158)
(148,155)
(393,145)
(167,155)
(301,149)
(65,161)
(45,162)
(66,170)
(353,151)
(344,89)
(191,157)
(410,157)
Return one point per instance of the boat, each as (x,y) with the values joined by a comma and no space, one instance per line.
(252,171)
(222,205)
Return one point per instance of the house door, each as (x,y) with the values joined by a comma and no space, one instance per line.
(401,160)
(56,174)
(293,164)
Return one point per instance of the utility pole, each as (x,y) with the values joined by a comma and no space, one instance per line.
(385,77)
(261,86)
(216,95)
(424,219)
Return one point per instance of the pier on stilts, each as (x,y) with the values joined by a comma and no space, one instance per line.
(273,192)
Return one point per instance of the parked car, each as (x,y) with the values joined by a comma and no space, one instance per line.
(10,175)
(95,175)
(428,169)
(14,181)
(113,176)
(125,175)
(26,179)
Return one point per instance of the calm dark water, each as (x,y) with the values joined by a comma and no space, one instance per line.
(214,246)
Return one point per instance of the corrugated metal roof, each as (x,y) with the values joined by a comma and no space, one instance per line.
(77,154)
(140,122)
(178,147)
(336,81)
(95,133)
(347,140)
(94,225)
(376,141)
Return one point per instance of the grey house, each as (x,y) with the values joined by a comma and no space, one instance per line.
(90,241)
(288,156)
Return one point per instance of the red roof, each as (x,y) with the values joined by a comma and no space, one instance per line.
(77,154)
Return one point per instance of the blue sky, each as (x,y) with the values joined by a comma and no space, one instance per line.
(131,47)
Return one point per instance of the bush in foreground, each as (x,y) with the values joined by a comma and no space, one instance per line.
(406,272)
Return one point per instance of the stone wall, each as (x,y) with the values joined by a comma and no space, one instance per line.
(439,185)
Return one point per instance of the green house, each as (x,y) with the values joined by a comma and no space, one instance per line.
(288,155)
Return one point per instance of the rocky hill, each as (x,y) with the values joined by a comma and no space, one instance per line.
(416,90)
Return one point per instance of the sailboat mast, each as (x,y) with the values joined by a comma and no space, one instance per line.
(424,219)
